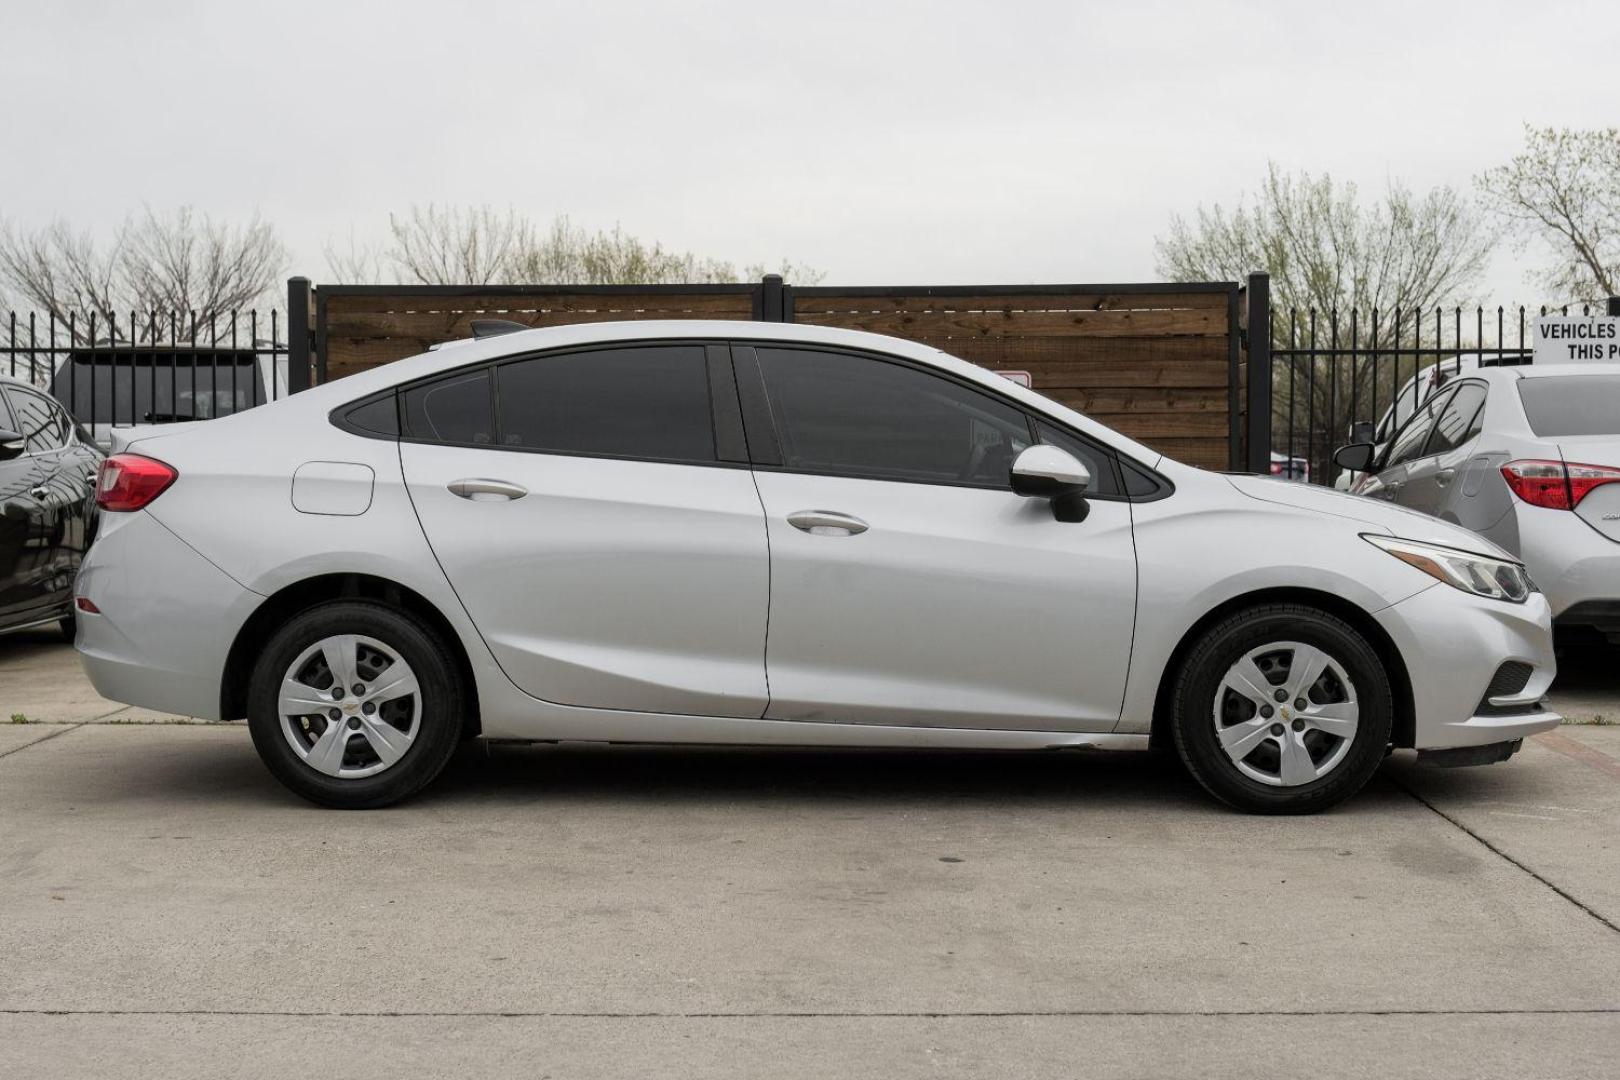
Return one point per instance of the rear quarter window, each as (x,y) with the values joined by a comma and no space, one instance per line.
(1569,405)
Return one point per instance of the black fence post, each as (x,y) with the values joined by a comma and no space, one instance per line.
(297,334)
(771,308)
(1259,389)
(1614,306)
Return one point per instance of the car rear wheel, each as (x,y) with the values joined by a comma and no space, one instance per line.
(355,705)
(1282,709)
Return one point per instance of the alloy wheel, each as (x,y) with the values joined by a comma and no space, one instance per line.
(1286,714)
(350,706)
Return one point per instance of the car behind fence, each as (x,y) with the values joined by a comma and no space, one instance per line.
(152,369)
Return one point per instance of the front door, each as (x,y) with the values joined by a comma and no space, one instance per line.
(909,585)
(600,524)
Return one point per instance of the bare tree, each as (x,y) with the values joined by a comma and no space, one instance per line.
(1330,254)
(182,263)
(454,246)
(475,246)
(59,272)
(1564,190)
(1326,249)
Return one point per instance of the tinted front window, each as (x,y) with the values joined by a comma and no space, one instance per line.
(647,402)
(458,409)
(1459,420)
(1560,405)
(861,417)
(40,420)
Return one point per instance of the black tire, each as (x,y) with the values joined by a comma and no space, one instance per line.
(1199,681)
(70,627)
(442,705)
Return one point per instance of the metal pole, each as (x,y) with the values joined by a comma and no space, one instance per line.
(1259,431)
(297,337)
(771,307)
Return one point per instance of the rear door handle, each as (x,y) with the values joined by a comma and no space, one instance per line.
(481,490)
(1445,476)
(826,523)
(40,492)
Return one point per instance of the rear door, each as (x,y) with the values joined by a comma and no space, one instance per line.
(1432,480)
(594,511)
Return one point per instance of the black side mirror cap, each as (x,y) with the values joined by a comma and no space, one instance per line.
(1357,457)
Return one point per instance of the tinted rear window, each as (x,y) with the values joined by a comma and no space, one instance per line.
(641,402)
(1562,405)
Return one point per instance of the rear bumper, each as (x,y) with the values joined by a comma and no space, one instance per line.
(1569,560)
(167,618)
(1453,643)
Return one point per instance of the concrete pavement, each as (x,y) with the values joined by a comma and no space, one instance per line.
(166,909)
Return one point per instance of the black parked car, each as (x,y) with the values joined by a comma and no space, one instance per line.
(48,468)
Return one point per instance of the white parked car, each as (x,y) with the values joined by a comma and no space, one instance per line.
(711,532)
(1530,458)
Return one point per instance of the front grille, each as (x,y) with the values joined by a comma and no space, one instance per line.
(1511,678)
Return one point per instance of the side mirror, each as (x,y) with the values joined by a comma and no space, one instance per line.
(11,445)
(1357,457)
(1048,472)
(1362,431)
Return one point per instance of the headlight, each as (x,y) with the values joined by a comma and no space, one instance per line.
(1482,575)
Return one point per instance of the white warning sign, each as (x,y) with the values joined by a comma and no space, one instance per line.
(1577,339)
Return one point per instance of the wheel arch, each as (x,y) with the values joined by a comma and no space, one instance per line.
(1403,732)
(323,588)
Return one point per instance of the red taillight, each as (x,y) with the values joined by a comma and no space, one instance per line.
(130,481)
(1555,485)
(1276,468)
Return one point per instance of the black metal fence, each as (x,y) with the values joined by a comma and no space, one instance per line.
(1339,377)
(160,367)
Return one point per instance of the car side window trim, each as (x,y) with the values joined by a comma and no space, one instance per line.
(765,443)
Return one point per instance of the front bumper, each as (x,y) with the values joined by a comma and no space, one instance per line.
(167,618)
(1453,643)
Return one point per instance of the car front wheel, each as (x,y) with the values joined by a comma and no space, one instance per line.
(355,705)
(1282,709)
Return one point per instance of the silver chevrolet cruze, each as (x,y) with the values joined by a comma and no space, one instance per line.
(711,532)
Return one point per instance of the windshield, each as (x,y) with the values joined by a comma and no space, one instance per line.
(156,388)
(1567,405)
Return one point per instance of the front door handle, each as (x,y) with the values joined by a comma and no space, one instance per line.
(826,523)
(481,490)
(41,492)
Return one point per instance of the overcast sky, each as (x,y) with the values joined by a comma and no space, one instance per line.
(883,143)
